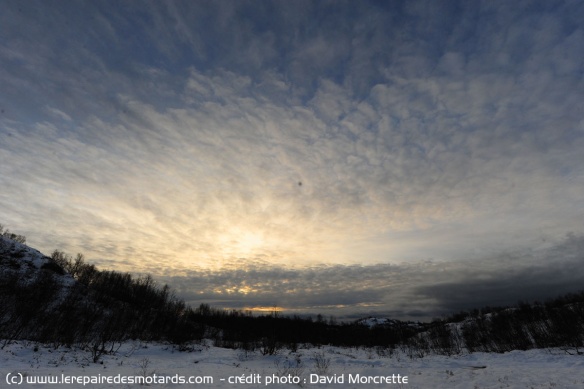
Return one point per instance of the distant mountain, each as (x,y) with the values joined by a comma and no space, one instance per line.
(385,322)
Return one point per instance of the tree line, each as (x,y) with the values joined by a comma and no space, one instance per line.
(70,302)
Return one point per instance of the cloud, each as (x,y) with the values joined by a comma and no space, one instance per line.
(406,291)
(540,275)
(176,136)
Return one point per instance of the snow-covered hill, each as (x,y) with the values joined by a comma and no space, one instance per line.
(28,264)
(385,322)
(63,300)
(23,268)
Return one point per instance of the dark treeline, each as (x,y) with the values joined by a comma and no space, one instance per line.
(67,301)
(555,323)
(269,333)
(70,302)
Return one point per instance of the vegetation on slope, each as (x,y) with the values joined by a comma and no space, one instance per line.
(65,301)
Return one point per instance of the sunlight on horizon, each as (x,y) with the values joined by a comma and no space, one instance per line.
(222,140)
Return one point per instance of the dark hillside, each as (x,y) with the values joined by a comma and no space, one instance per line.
(65,301)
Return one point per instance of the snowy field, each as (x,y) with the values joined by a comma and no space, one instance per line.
(21,363)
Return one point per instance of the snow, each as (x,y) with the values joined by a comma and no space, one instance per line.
(384,322)
(28,258)
(311,365)
(16,257)
(375,321)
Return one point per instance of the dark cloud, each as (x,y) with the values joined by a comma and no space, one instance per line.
(405,291)
(520,277)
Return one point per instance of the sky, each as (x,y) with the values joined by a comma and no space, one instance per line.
(348,158)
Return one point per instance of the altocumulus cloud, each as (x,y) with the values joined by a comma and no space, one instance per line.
(172,136)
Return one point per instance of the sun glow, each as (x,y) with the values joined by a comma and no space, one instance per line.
(242,243)
(244,289)
(264,309)
(249,242)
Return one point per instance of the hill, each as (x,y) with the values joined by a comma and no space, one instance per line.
(64,301)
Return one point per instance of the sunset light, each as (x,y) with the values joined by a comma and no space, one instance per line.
(343,158)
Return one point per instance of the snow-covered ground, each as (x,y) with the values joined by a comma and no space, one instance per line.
(214,367)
